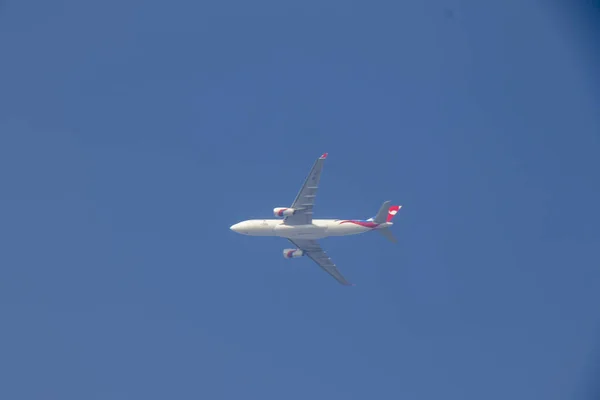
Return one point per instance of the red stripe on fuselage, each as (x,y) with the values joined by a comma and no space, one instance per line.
(366,224)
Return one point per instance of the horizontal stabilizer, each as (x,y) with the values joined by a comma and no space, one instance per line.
(388,235)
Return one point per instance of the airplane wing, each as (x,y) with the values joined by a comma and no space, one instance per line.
(305,200)
(313,250)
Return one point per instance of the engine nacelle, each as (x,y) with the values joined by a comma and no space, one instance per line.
(283,211)
(292,253)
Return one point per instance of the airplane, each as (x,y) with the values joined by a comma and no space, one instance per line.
(298,226)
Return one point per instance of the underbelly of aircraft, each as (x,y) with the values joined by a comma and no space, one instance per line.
(318,231)
(301,231)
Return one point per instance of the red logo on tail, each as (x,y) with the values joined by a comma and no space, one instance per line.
(392,212)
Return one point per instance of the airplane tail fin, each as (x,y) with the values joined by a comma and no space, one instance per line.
(386,213)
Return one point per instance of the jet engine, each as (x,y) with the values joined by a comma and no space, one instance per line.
(283,211)
(292,253)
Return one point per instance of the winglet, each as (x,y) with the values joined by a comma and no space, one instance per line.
(324,156)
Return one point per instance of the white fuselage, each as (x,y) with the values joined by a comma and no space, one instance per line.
(319,228)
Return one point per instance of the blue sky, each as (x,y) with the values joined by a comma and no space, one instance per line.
(134,133)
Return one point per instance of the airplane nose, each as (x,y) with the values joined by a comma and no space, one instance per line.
(235,227)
